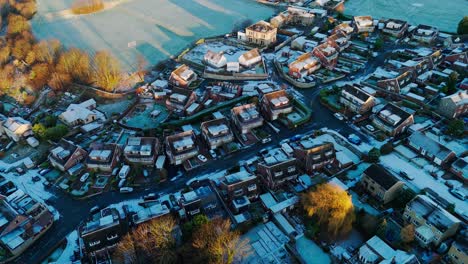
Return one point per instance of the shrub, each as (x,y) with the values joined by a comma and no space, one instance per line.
(386,148)
(81,7)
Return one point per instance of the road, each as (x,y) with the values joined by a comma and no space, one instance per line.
(74,211)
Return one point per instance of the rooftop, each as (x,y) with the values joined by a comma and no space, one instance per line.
(432,147)
(434,214)
(380,175)
(261,26)
(393,115)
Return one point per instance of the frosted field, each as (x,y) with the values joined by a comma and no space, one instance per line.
(160,28)
(443,14)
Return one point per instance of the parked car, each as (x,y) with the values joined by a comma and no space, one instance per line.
(370,128)
(151,197)
(354,139)
(126,190)
(266,140)
(458,193)
(145,173)
(36,178)
(84,177)
(95,209)
(121,183)
(202,158)
(14,155)
(339,116)
(115,171)
(44,172)
(405,175)
(213,154)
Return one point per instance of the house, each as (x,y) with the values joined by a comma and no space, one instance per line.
(395,27)
(80,114)
(375,250)
(425,34)
(394,82)
(327,55)
(216,132)
(142,150)
(304,65)
(215,59)
(430,149)
(294,15)
(23,220)
(460,168)
(380,183)
(275,104)
(392,119)
(181,147)
(102,231)
(246,117)
(16,128)
(344,27)
(455,105)
(314,156)
(356,100)
(432,223)
(180,99)
(458,252)
(103,157)
(183,76)
(250,58)
(277,168)
(239,184)
(363,24)
(260,33)
(66,155)
(201,200)
(339,41)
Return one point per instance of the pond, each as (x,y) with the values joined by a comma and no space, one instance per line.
(153,29)
(443,14)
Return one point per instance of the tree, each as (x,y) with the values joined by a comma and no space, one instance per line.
(39,75)
(56,133)
(21,48)
(451,87)
(374,155)
(455,128)
(75,63)
(107,73)
(151,242)
(58,81)
(17,24)
(39,130)
(462,28)
(218,244)
(407,234)
(192,226)
(386,148)
(50,121)
(379,42)
(332,207)
(5,53)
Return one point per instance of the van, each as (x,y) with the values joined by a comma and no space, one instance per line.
(126,190)
(123,173)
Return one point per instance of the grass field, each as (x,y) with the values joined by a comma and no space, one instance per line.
(154,29)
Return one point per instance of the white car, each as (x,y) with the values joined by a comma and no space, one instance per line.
(126,190)
(339,116)
(84,177)
(370,128)
(213,154)
(266,140)
(458,193)
(202,158)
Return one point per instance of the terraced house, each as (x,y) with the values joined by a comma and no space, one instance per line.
(356,100)
(275,104)
(181,147)
(277,168)
(141,150)
(216,132)
(433,223)
(392,120)
(314,156)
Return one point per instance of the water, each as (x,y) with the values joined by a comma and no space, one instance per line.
(443,14)
(154,29)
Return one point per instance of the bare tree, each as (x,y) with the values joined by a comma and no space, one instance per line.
(107,72)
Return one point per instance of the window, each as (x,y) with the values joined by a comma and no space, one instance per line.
(252,187)
(291,168)
(278,173)
(238,192)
